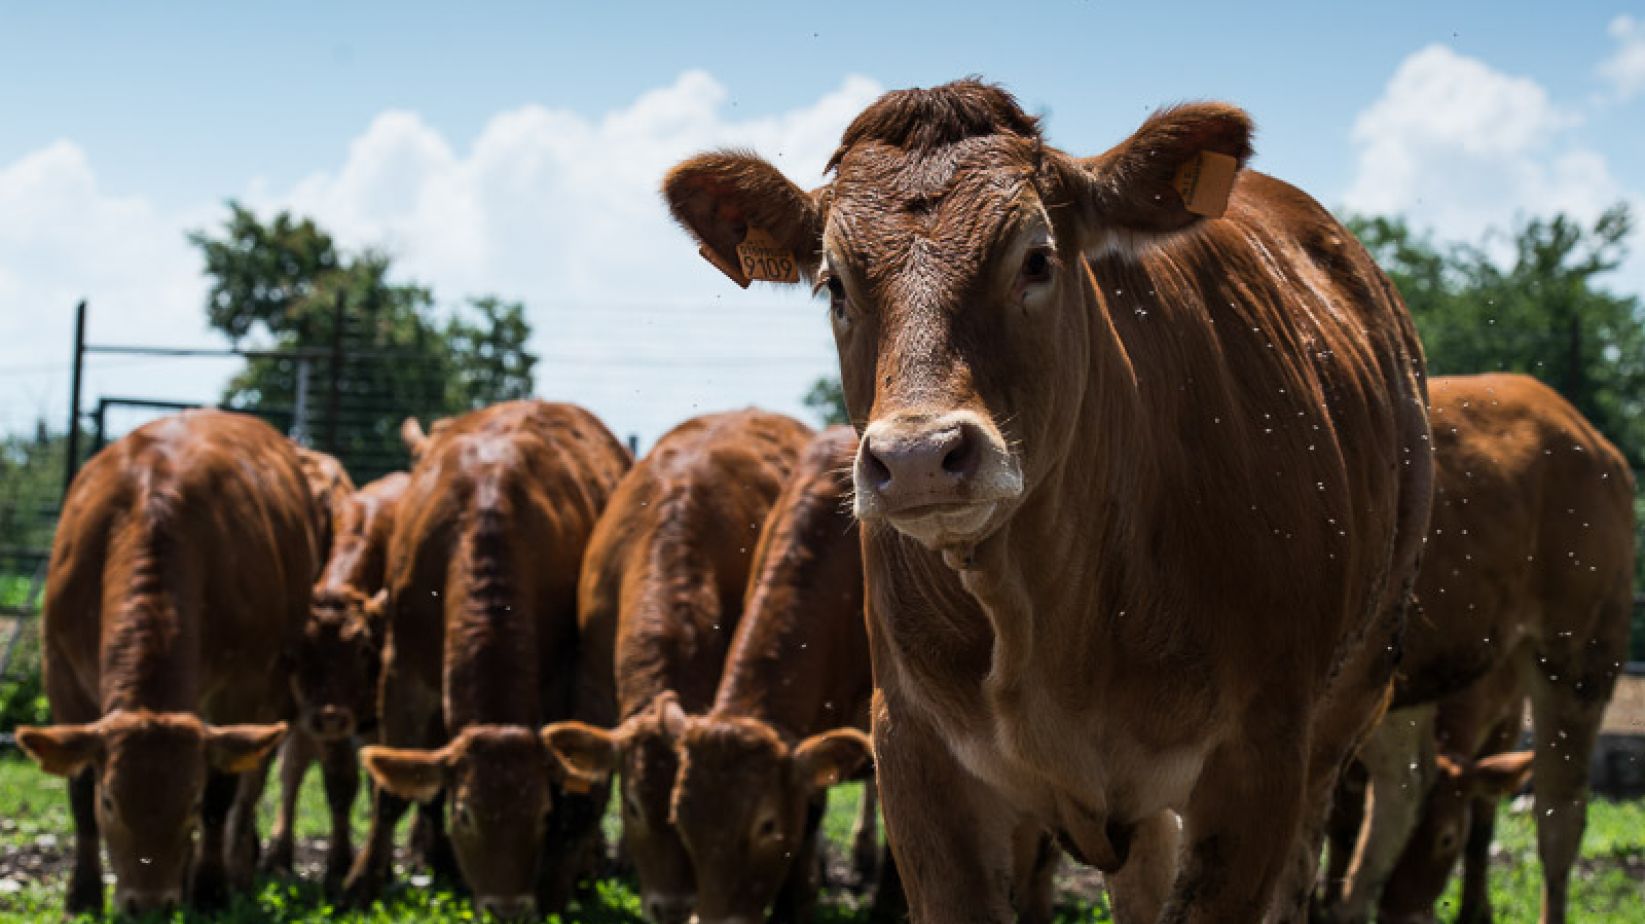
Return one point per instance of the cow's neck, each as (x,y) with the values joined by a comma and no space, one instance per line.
(1060,564)
(151,633)
(491,665)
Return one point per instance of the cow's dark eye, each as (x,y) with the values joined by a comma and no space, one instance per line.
(1036,266)
(768,828)
(465,817)
(836,297)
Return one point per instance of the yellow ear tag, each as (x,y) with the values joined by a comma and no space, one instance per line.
(729,269)
(1205,182)
(766,260)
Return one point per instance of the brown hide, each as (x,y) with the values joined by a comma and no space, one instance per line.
(180,569)
(1144,492)
(482,608)
(331,487)
(662,593)
(746,799)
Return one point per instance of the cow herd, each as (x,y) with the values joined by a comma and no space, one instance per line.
(1152,544)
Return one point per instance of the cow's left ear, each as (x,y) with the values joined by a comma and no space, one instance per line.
(409,773)
(822,760)
(61,750)
(238,748)
(1500,775)
(720,196)
(1177,169)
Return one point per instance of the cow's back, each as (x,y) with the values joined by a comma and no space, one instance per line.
(522,484)
(207,510)
(667,568)
(1532,532)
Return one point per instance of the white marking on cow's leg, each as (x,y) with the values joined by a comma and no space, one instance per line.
(1399,762)
(1139,890)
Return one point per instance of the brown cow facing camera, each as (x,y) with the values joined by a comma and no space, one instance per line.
(662,596)
(1144,479)
(1527,574)
(481,617)
(182,560)
(335,671)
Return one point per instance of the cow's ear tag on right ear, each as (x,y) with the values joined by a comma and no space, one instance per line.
(731,270)
(1205,181)
(765,259)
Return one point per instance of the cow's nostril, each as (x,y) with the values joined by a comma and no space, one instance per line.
(879,475)
(962,459)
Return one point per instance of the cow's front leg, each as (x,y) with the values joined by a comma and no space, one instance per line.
(951,832)
(1141,887)
(1399,762)
(1243,818)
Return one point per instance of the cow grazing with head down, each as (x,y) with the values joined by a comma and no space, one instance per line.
(1527,576)
(1143,491)
(182,560)
(335,671)
(791,712)
(662,595)
(481,617)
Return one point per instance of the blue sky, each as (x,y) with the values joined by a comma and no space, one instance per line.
(410,125)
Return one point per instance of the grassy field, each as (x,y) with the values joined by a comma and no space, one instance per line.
(35,834)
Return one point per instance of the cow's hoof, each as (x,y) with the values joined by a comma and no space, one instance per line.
(85,897)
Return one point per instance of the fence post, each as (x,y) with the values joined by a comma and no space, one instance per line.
(299,412)
(334,393)
(72,464)
(100,438)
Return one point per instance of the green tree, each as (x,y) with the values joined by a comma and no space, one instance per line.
(1542,311)
(284,280)
(827,400)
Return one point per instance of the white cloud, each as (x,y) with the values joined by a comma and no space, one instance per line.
(1625,69)
(65,238)
(1461,146)
(545,205)
(563,212)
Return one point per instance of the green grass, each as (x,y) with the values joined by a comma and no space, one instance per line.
(34,806)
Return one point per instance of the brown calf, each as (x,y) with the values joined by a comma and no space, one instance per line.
(335,671)
(1143,492)
(662,594)
(182,561)
(1530,565)
(481,616)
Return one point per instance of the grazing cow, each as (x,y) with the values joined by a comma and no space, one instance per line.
(182,561)
(1475,731)
(1143,492)
(1529,564)
(481,617)
(662,594)
(334,671)
(791,713)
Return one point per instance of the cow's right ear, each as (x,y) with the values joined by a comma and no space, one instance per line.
(1501,775)
(719,196)
(409,773)
(585,753)
(61,750)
